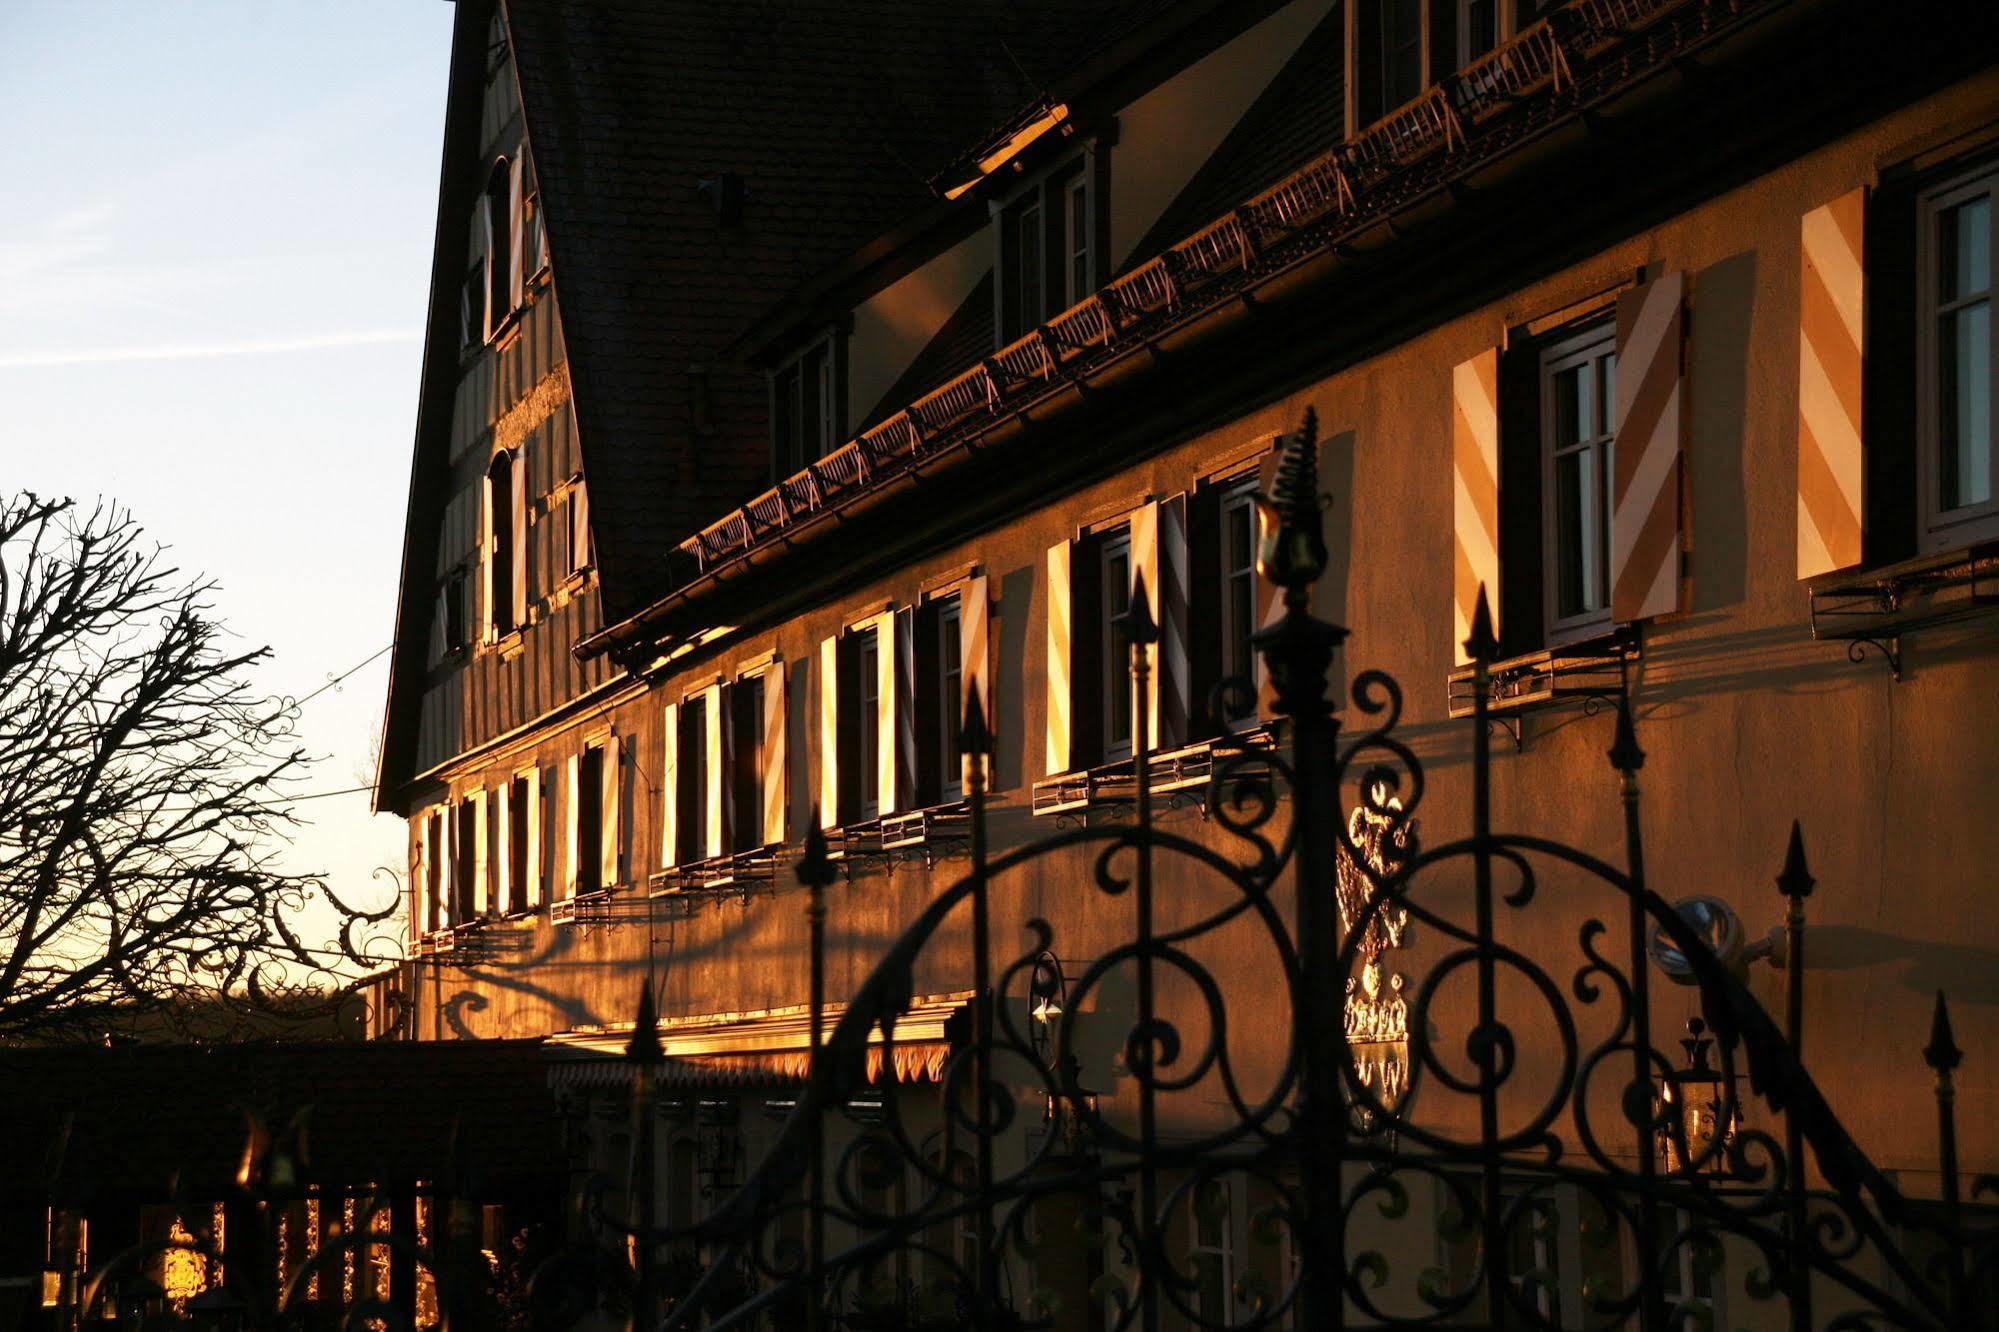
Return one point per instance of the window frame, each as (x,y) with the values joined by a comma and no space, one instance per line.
(580,555)
(1939,529)
(743,701)
(1223,1249)
(1061,236)
(500,227)
(589,798)
(822,356)
(503,473)
(1115,686)
(949,686)
(1584,346)
(865,655)
(1237,495)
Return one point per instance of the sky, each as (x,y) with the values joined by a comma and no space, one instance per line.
(216,247)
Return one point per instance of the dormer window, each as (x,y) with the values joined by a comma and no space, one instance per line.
(502,214)
(805,410)
(1047,252)
(505,545)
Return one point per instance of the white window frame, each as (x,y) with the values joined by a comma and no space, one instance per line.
(1583,348)
(1966,525)
(830,423)
(1070,176)
(1224,1249)
(1116,659)
(1238,623)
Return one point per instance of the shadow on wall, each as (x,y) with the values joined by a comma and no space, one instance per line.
(1967,975)
(1718,418)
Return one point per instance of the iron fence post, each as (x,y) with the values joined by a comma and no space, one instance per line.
(815,1179)
(1142,633)
(1298,650)
(645,1054)
(1483,648)
(1943,1057)
(1795,882)
(1627,758)
(975,745)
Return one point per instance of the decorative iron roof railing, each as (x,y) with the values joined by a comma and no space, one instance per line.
(1581,50)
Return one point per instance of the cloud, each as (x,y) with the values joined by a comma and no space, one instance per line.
(193,351)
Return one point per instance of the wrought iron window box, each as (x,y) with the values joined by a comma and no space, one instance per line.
(916,832)
(1590,668)
(1874,609)
(470,943)
(738,869)
(1179,774)
(602,907)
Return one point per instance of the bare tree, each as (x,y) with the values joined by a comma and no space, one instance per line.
(142,783)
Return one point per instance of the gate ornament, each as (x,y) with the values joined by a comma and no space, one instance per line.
(1281,1171)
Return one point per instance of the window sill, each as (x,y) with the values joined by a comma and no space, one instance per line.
(1114,785)
(1583,668)
(1875,607)
(911,831)
(738,869)
(471,943)
(601,907)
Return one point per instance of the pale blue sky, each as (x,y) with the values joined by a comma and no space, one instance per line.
(216,243)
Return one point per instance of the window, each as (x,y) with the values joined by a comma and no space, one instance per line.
(472,308)
(694,778)
(1388,57)
(866,725)
(521,872)
(1478,29)
(1958,367)
(746,763)
(1532,1261)
(1114,563)
(591,810)
(451,611)
(804,402)
(1212,1250)
(1578,391)
(506,516)
(947,700)
(433,873)
(464,852)
(1046,249)
(1238,580)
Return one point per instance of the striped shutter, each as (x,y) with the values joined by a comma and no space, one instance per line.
(482,900)
(1269,597)
(1144,574)
(715,818)
(519,544)
(572,789)
(1645,486)
(516,275)
(905,710)
(1061,637)
(829,733)
(488,616)
(503,846)
(579,527)
(531,891)
(1831,354)
(669,787)
(609,806)
(775,714)
(974,651)
(888,710)
(1474,493)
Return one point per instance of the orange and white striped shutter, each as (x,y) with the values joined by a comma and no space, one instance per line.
(829,733)
(774,756)
(1831,353)
(519,544)
(572,806)
(714,819)
(1645,487)
(1269,597)
(531,891)
(669,787)
(503,848)
(888,711)
(974,652)
(611,807)
(1061,636)
(1474,493)
(905,709)
(482,900)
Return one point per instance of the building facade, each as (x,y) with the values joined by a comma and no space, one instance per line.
(795,382)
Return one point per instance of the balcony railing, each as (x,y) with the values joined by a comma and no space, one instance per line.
(1579,50)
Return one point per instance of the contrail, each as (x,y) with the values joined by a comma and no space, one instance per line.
(204,350)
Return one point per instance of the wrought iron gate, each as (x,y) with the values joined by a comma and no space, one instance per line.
(1483,1110)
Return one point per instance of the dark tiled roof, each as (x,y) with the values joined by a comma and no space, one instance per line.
(381,1111)
(1300,116)
(835,115)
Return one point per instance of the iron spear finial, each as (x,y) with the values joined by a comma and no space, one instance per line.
(816,868)
(1625,755)
(1942,1054)
(1139,625)
(1483,644)
(1795,881)
(644,1048)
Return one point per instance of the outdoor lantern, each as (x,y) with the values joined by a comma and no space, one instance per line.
(1696,1106)
(1054,1112)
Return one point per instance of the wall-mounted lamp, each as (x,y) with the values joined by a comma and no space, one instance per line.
(1697,1110)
